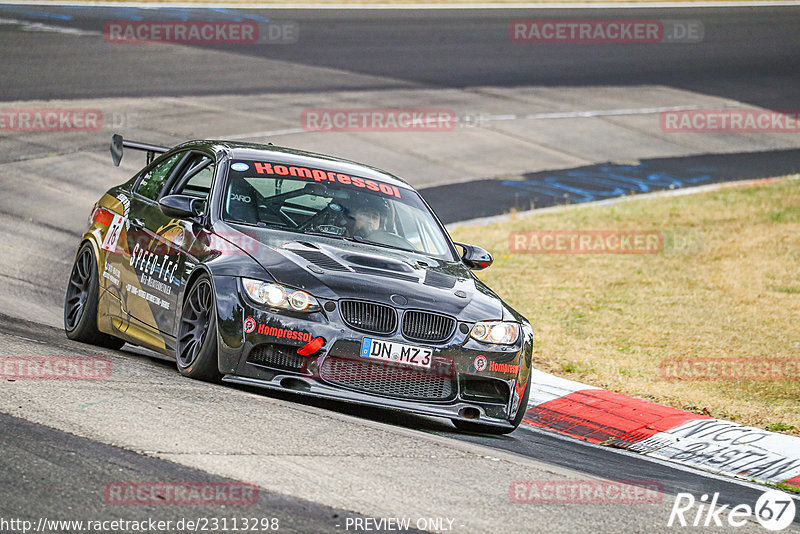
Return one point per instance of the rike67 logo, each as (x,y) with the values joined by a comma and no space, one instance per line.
(774,510)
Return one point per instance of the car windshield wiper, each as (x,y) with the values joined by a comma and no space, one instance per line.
(259,224)
(323,234)
(262,224)
(359,239)
(355,238)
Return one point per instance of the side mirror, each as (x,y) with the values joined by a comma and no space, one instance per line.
(475,258)
(181,206)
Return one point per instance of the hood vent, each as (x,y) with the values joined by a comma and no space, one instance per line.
(320,260)
(442,281)
(388,274)
(375,262)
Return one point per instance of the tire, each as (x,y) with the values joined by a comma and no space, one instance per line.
(80,302)
(478,428)
(196,350)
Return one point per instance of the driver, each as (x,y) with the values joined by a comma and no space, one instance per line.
(364,214)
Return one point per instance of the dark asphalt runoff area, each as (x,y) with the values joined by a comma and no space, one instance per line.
(490,197)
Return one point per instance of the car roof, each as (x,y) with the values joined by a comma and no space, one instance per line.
(291,156)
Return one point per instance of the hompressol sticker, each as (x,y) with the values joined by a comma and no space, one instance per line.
(249,325)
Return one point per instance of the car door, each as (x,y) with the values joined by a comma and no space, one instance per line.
(187,237)
(150,263)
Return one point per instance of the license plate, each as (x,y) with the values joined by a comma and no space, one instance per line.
(396,352)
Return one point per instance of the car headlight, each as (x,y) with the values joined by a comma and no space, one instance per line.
(279,296)
(497,332)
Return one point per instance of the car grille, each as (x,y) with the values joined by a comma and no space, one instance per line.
(277,356)
(426,326)
(387,380)
(368,317)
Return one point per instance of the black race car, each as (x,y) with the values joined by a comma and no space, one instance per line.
(285,269)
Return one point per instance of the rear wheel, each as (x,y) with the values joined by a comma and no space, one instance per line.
(197,333)
(80,302)
(479,428)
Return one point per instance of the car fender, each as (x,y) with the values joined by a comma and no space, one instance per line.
(224,273)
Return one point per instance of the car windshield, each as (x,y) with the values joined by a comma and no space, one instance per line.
(316,201)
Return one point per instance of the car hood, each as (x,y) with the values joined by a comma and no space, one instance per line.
(332,268)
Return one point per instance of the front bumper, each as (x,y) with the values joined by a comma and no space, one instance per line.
(469,381)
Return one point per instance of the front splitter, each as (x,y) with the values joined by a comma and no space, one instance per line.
(323,391)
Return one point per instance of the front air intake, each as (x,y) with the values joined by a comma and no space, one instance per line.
(387,380)
(276,357)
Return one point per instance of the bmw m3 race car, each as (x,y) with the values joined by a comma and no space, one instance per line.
(285,269)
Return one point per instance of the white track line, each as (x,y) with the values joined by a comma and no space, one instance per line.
(267,133)
(475,120)
(613,112)
(28,26)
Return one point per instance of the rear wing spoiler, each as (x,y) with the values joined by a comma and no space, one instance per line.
(117,144)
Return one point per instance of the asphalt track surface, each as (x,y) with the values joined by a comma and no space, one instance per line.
(318,462)
(77,471)
(53,474)
(443,48)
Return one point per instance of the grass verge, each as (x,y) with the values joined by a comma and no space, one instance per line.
(726,285)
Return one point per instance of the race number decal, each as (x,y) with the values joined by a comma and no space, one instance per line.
(112,236)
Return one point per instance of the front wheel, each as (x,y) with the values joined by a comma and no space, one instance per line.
(196,351)
(80,302)
(478,428)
